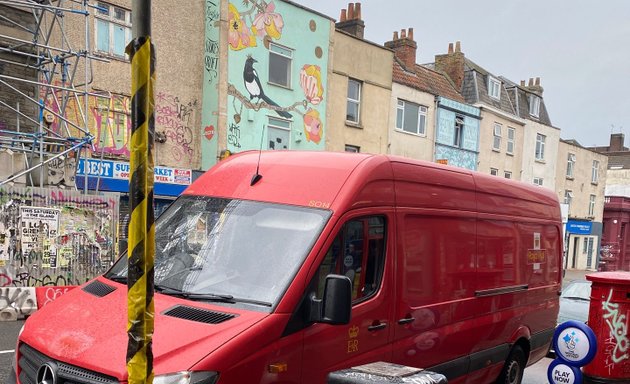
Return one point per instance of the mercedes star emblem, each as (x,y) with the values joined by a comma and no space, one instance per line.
(47,374)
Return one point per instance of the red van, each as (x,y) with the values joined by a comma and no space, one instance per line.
(325,261)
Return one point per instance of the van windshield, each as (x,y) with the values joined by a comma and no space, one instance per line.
(237,251)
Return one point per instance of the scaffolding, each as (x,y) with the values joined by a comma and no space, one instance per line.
(38,42)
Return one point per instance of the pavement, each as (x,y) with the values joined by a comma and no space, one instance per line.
(574,274)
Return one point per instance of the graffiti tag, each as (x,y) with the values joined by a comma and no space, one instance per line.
(618,329)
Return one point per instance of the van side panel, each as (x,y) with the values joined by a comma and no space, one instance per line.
(435,283)
(478,269)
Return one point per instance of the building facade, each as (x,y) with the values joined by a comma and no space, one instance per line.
(615,250)
(581,180)
(360,88)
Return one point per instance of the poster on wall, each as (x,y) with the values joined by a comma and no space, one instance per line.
(39,228)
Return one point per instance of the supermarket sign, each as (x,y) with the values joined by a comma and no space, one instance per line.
(114,176)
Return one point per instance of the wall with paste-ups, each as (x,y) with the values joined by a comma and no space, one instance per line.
(53,237)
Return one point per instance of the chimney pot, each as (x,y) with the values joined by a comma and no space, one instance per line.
(538,81)
(522,83)
(395,36)
(530,82)
(403,34)
(357,11)
(450,48)
(343,16)
(350,11)
(410,35)
(458,46)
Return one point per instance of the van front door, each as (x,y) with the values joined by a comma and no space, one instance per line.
(360,250)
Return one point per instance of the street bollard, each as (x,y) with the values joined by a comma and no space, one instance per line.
(382,372)
(608,316)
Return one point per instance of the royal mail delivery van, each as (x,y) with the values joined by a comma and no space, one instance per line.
(324,261)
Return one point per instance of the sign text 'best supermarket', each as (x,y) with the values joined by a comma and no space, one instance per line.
(120,170)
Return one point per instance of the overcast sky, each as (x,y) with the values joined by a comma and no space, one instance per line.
(580,49)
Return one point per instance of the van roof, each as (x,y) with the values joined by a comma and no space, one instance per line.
(315,178)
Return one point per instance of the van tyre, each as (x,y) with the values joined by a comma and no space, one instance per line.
(512,372)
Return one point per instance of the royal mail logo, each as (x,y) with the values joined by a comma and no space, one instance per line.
(353,332)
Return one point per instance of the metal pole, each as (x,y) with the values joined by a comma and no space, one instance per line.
(141,251)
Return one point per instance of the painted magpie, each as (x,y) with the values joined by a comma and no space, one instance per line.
(252,84)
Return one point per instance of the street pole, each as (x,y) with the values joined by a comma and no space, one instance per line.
(141,252)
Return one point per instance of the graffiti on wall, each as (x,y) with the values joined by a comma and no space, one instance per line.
(69,242)
(109,120)
(258,24)
(175,119)
(210,98)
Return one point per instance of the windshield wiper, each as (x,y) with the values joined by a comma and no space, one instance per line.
(207,296)
(194,296)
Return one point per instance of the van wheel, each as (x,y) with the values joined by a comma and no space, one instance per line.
(512,372)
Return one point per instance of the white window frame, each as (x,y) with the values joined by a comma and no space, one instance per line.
(595,172)
(568,197)
(458,132)
(285,53)
(494,88)
(112,22)
(422,117)
(507,174)
(591,205)
(357,101)
(511,136)
(496,137)
(534,105)
(538,181)
(494,171)
(570,165)
(540,146)
(279,124)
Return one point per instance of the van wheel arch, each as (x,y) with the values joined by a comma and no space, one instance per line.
(514,366)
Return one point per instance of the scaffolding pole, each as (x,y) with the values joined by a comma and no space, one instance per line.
(37,41)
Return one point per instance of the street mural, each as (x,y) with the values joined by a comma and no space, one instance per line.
(109,122)
(50,237)
(262,93)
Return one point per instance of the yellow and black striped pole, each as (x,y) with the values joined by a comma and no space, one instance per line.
(141,252)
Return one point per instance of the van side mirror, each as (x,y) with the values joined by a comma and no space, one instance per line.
(336,305)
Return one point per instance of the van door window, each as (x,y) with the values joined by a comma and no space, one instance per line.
(357,252)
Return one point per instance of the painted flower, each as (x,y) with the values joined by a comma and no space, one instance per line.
(313,127)
(268,23)
(239,36)
(311,82)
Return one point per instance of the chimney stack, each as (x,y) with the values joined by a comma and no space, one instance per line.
(404,48)
(350,20)
(616,142)
(533,85)
(452,64)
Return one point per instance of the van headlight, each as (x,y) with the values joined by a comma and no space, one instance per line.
(186,377)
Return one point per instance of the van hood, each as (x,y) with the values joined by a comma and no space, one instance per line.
(89,330)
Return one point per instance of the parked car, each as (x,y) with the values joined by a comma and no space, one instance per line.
(575,300)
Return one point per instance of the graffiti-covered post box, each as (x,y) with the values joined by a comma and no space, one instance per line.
(609,315)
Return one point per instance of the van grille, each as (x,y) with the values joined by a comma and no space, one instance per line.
(31,360)
(98,288)
(199,315)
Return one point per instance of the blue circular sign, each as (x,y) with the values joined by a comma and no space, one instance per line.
(575,343)
(561,373)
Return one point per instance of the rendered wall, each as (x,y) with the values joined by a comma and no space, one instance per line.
(546,169)
(501,160)
(370,64)
(407,144)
